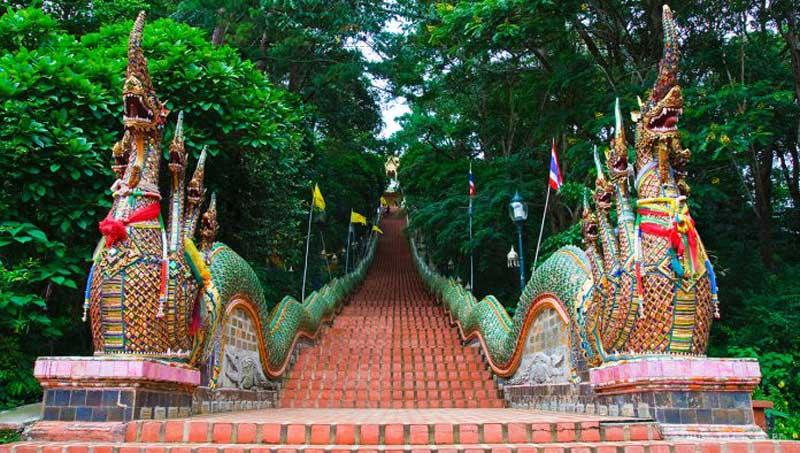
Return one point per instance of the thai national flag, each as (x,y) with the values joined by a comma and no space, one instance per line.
(471,183)
(555,173)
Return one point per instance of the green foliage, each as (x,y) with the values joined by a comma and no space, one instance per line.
(7,437)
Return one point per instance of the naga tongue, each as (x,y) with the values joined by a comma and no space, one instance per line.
(670,121)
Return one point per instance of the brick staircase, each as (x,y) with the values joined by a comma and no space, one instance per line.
(391,347)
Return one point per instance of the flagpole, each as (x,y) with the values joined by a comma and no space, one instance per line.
(308,242)
(541,229)
(347,252)
(471,251)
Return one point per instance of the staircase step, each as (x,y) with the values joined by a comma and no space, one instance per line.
(571,447)
(221,431)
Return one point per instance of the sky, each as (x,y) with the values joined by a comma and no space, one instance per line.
(391,107)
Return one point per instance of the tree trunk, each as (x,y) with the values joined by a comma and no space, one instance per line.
(762,172)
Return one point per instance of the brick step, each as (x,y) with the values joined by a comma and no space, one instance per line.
(422,365)
(433,361)
(224,431)
(391,350)
(375,385)
(497,403)
(388,394)
(592,447)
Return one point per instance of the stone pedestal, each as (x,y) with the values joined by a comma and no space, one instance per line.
(108,388)
(689,396)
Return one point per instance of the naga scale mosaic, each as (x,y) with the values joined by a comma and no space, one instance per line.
(151,292)
(644,286)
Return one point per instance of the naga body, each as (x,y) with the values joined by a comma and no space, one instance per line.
(642,286)
(152,293)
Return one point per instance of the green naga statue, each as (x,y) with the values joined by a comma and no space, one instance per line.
(643,286)
(151,292)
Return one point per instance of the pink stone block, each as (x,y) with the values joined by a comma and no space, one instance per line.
(79,368)
(614,374)
(147,369)
(725,368)
(121,369)
(93,368)
(754,369)
(39,368)
(136,369)
(739,369)
(622,373)
(63,369)
(641,369)
(669,369)
(106,369)
(702,368)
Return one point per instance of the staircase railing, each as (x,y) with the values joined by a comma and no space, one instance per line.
(501,336)
(291,319)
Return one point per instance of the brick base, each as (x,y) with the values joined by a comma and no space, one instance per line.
(114,389)
(693,397)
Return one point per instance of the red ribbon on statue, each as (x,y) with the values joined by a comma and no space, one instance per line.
(116,229)
(683,224)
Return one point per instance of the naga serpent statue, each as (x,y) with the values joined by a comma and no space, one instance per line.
(643,286)
(151,292)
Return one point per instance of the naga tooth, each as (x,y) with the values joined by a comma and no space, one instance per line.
(639,100)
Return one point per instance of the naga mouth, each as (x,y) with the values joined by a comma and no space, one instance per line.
(666,120)
(135,110)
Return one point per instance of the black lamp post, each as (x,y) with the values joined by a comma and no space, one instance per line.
(518,211)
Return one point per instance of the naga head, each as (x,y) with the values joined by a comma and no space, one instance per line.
(196,191)
(603,190)
(617,159)
(209,225)
(143,115)
(589,227)
(142,110)
(659,116)
(177,150)
(657,137)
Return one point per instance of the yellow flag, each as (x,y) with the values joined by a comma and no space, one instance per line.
(319,202)
(376,229)
(357,218)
